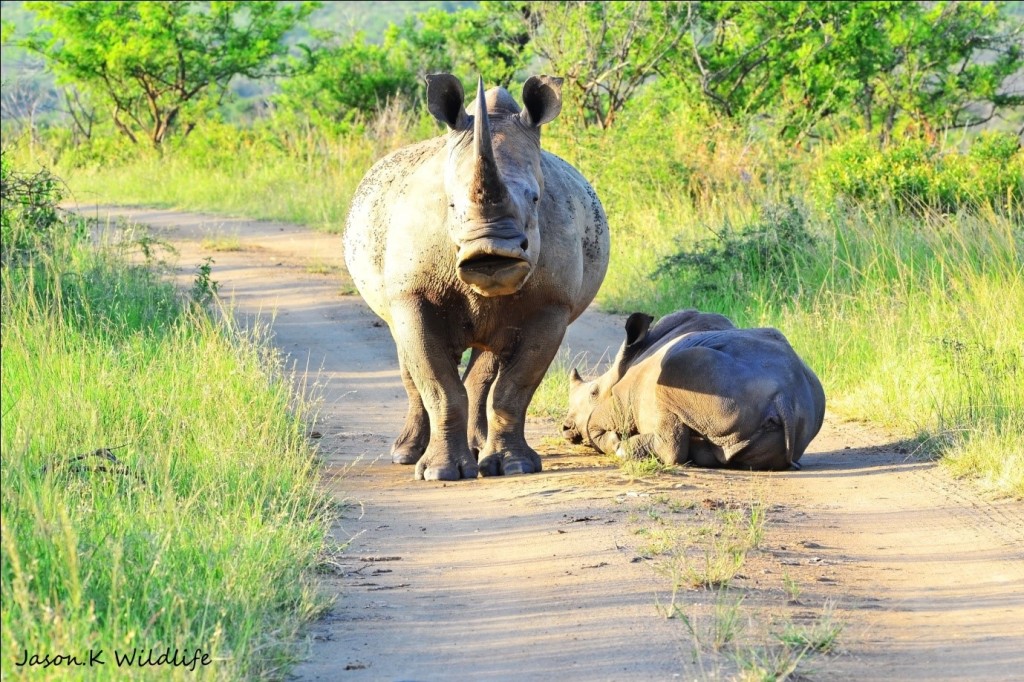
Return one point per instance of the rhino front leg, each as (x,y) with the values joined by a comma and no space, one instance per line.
(668,438)
(478,378)
(412,441)
(427,352)
(671,448)
(519,374)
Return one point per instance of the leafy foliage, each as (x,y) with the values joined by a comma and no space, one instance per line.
(338,82)
(606,50)
(807,62)
(915,174)
(491,41)
(29,214)
(161,66)
(765,255)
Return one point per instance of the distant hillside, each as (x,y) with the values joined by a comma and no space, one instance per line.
(373,18)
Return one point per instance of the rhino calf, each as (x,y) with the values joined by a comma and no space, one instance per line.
(694,388)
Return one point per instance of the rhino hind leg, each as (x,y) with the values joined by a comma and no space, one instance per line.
(520,372)
(705,454)
(478,379)
(412,441)
(425,353)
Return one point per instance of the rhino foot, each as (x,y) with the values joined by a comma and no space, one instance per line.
(445,468)
(510,463)
(406,454)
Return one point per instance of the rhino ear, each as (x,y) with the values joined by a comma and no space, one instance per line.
(574,378)
(542,97)
(636,328)
(445,99)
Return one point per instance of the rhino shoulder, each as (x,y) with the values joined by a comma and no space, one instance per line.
(563,181)
(396,167)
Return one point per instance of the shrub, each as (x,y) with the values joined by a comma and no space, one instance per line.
(915,174)
(29,213)
(768,255)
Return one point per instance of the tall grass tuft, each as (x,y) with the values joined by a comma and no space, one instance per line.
(158,488)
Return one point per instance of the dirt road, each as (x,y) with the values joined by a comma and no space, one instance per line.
(552,576)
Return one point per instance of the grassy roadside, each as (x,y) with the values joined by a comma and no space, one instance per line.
(892,272)
(192,521)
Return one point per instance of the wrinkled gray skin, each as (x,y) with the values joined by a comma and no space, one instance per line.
(696,389)
(476,239)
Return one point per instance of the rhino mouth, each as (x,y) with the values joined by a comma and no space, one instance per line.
(495,274)
(489,264)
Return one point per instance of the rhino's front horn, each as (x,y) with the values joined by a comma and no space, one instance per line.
(488,187)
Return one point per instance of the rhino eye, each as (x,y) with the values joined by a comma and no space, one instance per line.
(536,198)
(593,392)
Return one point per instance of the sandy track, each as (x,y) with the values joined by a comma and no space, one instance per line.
(544,576)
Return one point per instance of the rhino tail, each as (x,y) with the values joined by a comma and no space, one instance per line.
(791,427)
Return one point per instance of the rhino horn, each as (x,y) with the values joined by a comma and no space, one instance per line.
(487,183)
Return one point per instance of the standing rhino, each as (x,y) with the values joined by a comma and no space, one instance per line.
(476,239)
(694,388)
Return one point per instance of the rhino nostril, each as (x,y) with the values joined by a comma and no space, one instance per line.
(525,245)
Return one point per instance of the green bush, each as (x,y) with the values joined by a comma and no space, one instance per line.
(769,255)
(914,173)
(29,216)
(342,85)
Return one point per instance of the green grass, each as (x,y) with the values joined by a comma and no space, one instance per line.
(222,243)
(203,533)
(820,634)
(296,176)
(550,399)
(733,632)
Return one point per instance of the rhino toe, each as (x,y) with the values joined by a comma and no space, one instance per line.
(445,473)
(446,470)
(406,456)
(519,466)
(490,466)
(510,464)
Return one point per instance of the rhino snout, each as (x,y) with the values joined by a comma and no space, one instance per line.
(571,433)
(494,267)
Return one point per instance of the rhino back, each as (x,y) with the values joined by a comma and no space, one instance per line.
(723,382)
(574,235)
(376,224)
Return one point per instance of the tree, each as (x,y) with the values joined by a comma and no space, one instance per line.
(161,66)
(335,82)
(489,41)
(606,50)
(934,63)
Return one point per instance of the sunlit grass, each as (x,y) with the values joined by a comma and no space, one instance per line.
(200,526)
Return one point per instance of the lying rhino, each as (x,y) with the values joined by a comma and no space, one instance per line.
(694,388)
(476,239)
